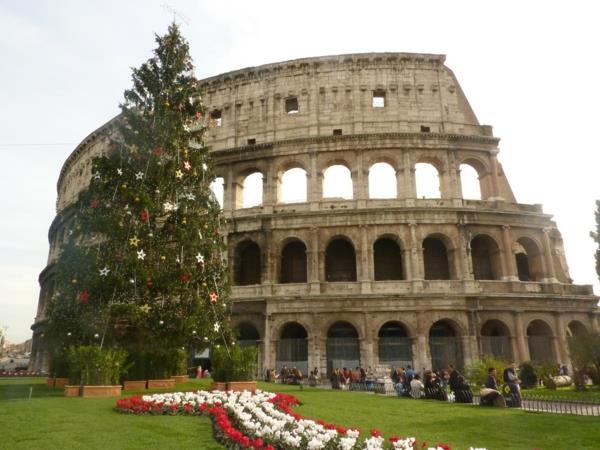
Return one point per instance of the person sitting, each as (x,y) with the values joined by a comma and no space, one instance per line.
(335,379)
(312,379)
(458,385)
(416,387)
(399,381)
(490,394)
(433,387)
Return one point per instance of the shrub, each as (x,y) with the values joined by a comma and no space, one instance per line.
(234,363)
(157,364)
(584,350)
(528,375)
(477,372)
(94,365)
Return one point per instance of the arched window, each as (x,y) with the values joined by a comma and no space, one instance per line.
(469,182)
(495,340)
(382,181)
(427,180)
(394,345)
(435,259)
(247,335)
(293,186)
(247,264)
(485,256)
(340,261)
(539,337)
(218,189)
(444,345)
(252,190)
(337,182)
(576,328)
(293,263)
(342,347)
(292,348)
(387,259)
(529,260)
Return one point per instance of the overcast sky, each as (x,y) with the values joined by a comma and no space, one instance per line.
(530,69)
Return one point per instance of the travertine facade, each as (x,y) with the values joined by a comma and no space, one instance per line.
(331,282)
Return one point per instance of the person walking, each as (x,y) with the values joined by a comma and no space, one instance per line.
(513,382)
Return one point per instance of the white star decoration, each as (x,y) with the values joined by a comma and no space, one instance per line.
(104,272)
(141,254)
(96,175)
(168,206)
(217,327)
(204,166)
(120,171)
(199,258)
(187,165)
(191,196)
(139,175)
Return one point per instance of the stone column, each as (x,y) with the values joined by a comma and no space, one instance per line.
(494,169)
(510,271)
(269,190)
(550,274)
(522,347)
(363,267)
(561,339)
(421,357)
(270,343)
(315,184)
(410,187)
(314,256)
(414,256)
(463,255)
(595,319)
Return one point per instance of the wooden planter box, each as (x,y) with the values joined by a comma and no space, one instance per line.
(101,391)
(233,386)
(61,382)
(218,386)
(162,384)
(134,385)
(50,381)
(180,378)
(71,391)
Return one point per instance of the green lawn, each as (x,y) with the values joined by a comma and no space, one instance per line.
(51,421)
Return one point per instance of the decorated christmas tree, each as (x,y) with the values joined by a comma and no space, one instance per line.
(144,265)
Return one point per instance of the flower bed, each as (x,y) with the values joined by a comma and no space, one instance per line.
(263,421)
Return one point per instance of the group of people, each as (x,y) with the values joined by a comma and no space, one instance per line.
(435,385)
(286,375)
(342,378)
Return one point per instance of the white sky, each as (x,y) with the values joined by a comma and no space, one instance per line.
(530,69)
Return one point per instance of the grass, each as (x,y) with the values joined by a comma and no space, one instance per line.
(567,393)
(51,421)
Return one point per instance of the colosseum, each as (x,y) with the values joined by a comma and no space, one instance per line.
(367,276)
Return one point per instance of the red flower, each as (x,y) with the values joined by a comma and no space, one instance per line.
(443,446)
(184,277)
(145,216)
(375,432)
(84,297)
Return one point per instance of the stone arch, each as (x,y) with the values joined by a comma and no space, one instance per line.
(247,333)
(481,180)
(529,259)
(427,180)
(387,259)
(540,340)
(340,260)
(382,180)
(250,189)
(438,257)
(247,263)
(343,346)
(445,344)
(217,186)
(485,256)
(495,339)
(576,328)
(292,182)
(343,186)
(292,347)
(470,183)
(293,266)
(394,344)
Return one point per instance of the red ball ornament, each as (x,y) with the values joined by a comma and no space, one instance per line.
(84,297)
(184,277)
(157,151)
(144,216)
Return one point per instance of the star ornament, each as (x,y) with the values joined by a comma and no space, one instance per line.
(200,258)
(104,272)
(120,171)
(179,174)
(96,175)
(187,165)
(217,327)
(139,175)
(134,241)
(214,297)
(145,309)
(141,254)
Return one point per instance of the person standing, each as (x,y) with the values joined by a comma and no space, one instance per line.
(490,394)
(513,382)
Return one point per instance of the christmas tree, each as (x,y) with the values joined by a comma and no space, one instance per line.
(144,267)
